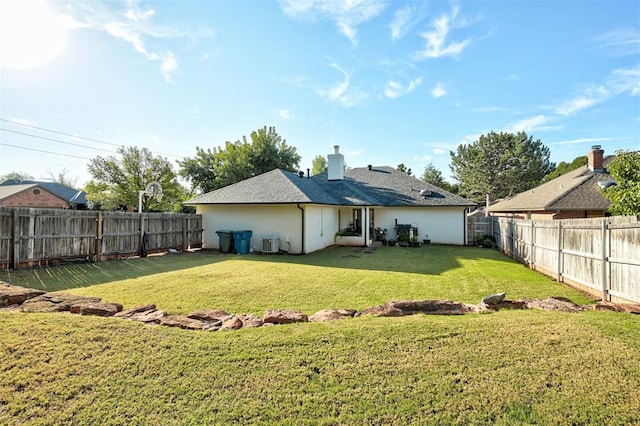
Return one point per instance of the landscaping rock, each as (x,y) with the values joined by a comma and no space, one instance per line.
(553,304)
(507,304)
(332,314)
(617,307)
(250,320)
(383,311)
(183,321)
(232,323)
(153,316)
(130,312)
(55,302)
(101,309)
(210,315)
(494,299)
(284,316)
(16,295)
(427,306)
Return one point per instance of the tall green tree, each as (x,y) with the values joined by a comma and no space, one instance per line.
(625,195)
(564,167)
(117,180)
(434,176)
(500,164)
(16,176)
(239,160)
(319,165)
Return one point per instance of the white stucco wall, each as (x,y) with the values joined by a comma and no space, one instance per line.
(321,224)
(265,221)
(444,225)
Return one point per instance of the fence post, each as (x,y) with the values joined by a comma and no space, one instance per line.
(512,226)
(15,236)
(605,289)
(533,246)
(559,276)
(99,232)
(185,244)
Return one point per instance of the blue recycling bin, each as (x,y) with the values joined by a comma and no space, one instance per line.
(226,241)
(242,241)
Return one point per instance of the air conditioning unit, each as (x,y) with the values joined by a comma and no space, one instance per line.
(271,245)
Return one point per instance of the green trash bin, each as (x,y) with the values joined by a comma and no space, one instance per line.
(242,241)
(226,241)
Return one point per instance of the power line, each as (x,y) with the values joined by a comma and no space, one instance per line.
(46,152)
(75,136)
(56,140)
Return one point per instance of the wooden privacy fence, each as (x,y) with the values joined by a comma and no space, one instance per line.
(31,237)
(600,256)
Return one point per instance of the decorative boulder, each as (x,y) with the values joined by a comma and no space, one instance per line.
(101,309)
(183,321)
(250,320)
(232,323)
(284,316)
(16,295)
(55,302)
(332,314)
(210,315)
(553,304)
(493,299)
(130,312)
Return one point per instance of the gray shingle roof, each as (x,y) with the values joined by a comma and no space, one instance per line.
(380,186)
(576,190)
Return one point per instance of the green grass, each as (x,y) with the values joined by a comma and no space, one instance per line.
(511,367)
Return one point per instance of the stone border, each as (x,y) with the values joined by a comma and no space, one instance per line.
(20,299)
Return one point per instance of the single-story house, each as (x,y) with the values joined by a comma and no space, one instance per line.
(28,193)
(301,214)
(573,195)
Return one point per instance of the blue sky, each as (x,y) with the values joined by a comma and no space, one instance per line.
(389,81)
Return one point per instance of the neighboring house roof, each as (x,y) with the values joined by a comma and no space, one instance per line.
(68,194)
(380,186)
(576,190)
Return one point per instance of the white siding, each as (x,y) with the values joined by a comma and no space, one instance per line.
(444,225)
(321,225)
(283,221)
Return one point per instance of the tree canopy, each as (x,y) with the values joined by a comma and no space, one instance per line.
(500,164)
(625,195)
(434,176)
(402,168)
(564,167)
(319,165)
(215,168)
(117,180)
(16,176)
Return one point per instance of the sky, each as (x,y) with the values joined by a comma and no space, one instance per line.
(390,81)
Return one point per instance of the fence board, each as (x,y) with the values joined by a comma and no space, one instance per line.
(30,237)
(600,255)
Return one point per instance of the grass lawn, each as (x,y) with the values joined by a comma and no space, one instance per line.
(510,367)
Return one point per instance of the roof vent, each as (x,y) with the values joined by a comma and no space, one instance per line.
(607,183)
(425,193)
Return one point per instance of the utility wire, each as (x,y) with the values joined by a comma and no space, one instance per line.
(56,140)
(46,152)
(75,136)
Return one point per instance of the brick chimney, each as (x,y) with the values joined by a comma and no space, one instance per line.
(596,159)
(336,165)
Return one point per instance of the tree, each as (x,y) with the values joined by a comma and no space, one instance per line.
(62,178)
(500,164)
(239,160)
(117,180)
(319,165)
(16,176)
(625,195)
(434,176)
(402,168)
(564,167)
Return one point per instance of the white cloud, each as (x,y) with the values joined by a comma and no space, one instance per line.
(576,104)
(341,92)
(437,44)
(438,91)
(621,42)
(395,89)
(347,15)
(530,124)
(134,13)
(401,22)
(169,66)
(439,151)
(625,80)
(285,114)
(579,141)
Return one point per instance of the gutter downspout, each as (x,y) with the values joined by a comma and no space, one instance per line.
(302,210)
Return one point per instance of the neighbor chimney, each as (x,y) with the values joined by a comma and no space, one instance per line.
(336,164)
(596,159)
